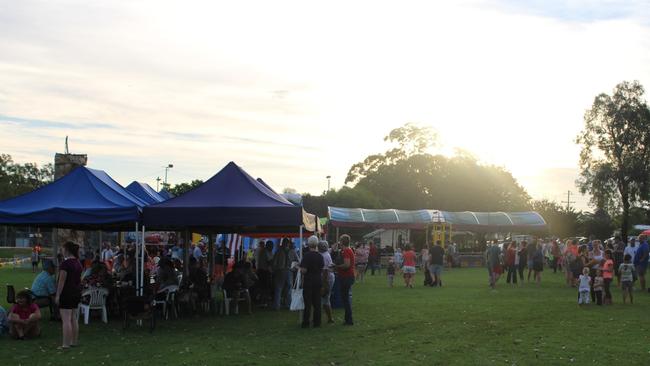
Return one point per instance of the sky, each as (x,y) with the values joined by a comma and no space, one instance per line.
(294,91)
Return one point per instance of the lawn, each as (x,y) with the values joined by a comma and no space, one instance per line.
(7,252)
(463,323)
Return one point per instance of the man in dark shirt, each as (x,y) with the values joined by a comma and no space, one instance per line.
(311,267)
(436,259)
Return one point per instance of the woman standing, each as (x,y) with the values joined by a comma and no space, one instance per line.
(522,254)
(538,262)
(361,259)
(328,280)
(511,256)
(409,266)
(68,294)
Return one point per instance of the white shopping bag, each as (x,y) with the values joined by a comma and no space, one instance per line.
(297,302)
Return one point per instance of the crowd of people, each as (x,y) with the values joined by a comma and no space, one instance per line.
(590,267)
(264,276)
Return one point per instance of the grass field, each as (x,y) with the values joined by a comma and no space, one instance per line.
(463,323)
(21,252)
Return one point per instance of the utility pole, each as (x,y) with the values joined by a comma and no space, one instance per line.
(568,201)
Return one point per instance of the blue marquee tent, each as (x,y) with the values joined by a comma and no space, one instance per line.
(165,194)
(83,198)
(230,201)
(144,192)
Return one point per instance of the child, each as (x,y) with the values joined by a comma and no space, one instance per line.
(626,269)
(598,287)
(24,317)
(583,288)
(390,271)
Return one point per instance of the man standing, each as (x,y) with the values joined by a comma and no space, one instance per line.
(373,259)
(641,260)
(437,261)
(492,259)
(106,256)
(346,277)
(311,267)
(280,266)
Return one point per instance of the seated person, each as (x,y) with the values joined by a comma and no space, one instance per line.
(23,317)
(199,279)
(166,275)
(127,268)
(98,276)
(44,287)
(236,284)
(4,328)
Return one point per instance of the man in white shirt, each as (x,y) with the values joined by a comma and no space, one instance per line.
(630,248)
(107,253)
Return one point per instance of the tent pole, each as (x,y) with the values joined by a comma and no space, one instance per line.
(137,266)
(210,255)
(186,254)
(142,263)
(337,234)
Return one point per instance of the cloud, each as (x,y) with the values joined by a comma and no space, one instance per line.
(298,91)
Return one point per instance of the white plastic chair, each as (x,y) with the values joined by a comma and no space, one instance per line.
(98,297)
(225,305)
(170,300)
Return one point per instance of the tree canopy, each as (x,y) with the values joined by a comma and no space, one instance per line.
(616,150)
(17,179)
(181,188)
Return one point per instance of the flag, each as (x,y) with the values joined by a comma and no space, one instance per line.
(234,243)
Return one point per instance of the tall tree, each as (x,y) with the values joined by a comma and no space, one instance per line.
(616,150)
(17,179)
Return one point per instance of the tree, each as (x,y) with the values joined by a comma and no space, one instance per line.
(561,222)
(182,188)
(17,179)
(289,190)
(409,176)
(616,150)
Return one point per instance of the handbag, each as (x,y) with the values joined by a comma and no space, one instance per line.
(297,301)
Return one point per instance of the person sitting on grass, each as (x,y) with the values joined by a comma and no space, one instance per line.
(24,317)
(584,287)
(626,269)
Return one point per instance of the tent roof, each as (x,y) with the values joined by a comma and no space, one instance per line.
(165,194)
(419,219)
(230,201)
(144,192)
(83,198)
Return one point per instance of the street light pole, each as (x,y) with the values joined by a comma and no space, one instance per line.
(169,166)
(328,182)
(158,184)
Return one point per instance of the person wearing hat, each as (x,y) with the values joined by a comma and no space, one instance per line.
(44,287)
(311,267)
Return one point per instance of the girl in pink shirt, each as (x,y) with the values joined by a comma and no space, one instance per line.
(608,274)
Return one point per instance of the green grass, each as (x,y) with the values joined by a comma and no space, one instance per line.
(21,252)
(463,323)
